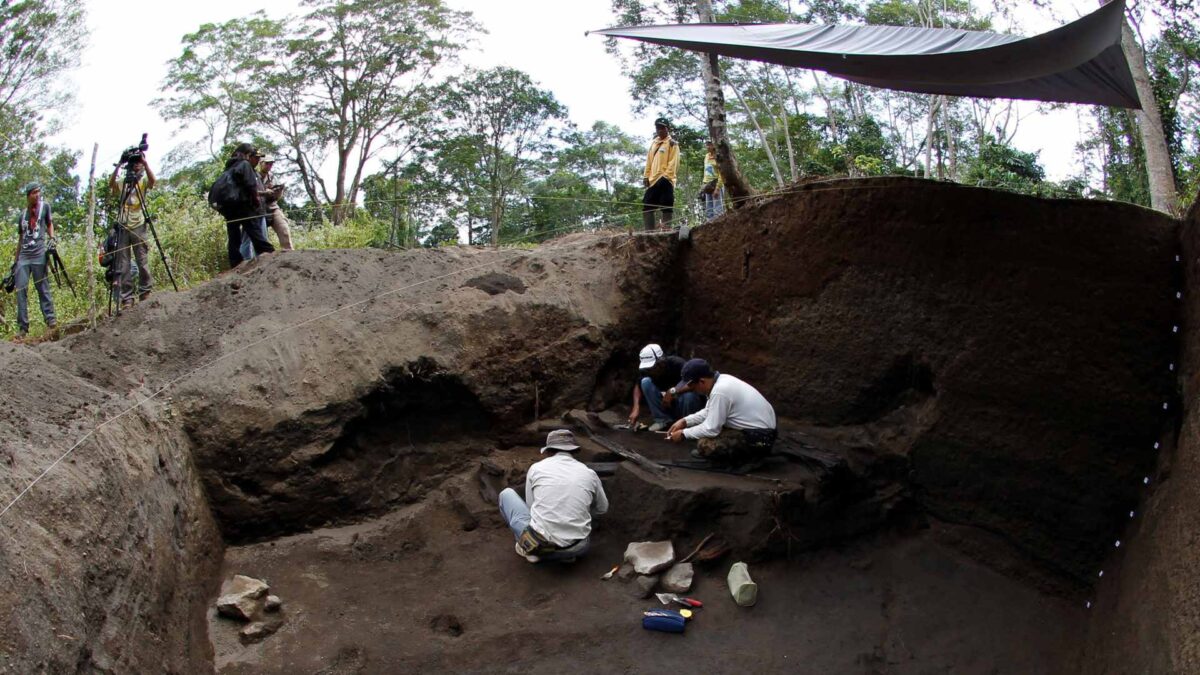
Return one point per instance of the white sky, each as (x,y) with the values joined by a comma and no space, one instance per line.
(124,63)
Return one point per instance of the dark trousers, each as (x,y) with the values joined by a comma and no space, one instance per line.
(659,198)
(736,447)
(247,222)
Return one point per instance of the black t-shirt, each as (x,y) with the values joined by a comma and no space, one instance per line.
(666,372)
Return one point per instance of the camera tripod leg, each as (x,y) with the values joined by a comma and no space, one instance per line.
(154,235)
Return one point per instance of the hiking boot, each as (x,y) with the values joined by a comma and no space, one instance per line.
(660,425)
(20,337)
(530,558)
(144,296)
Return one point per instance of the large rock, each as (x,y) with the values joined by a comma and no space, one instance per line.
(650,557)
(243,598)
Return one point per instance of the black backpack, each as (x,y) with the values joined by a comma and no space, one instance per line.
(225,195)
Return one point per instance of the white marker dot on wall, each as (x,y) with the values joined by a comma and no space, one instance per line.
(1118,544)
(1101,572)
(1171,367)
(1174,329)
(1088,605)
(1156,445)
(1178,295)
(1164,405)
(1131,514)
(1146,480)
(1176,258)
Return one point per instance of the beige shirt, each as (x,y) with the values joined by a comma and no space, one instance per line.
(562,494)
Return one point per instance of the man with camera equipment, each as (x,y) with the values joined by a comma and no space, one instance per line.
(238,198)
(35,238)
(276,218)
(132,234)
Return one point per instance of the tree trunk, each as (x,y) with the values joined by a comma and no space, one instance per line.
(933,100)
(761,136)
(714,98)
(1160,174)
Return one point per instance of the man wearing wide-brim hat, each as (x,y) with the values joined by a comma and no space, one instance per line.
(563,494)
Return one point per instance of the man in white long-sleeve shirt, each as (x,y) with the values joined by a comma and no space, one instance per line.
(736,426)
(563,494)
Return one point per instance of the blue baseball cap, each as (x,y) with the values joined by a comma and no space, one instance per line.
(694,370)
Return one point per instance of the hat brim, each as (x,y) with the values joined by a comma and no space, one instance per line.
(646,363)
(564,447)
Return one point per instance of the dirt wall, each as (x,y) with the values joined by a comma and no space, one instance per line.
(1146,616)
(345,382)
(106,564)
(1040,328)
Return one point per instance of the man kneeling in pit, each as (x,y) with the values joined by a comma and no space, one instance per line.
(563,494)
(736,428)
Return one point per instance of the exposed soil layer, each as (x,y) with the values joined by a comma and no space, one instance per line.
(1147,610)
(416,591)
(399,365)
(940,355)
(108,565)
(1042,331)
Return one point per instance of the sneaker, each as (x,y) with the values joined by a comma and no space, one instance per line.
(530,558)
(660,425)
(20,337)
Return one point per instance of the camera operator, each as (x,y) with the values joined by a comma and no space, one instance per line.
(132,235)
(35,236)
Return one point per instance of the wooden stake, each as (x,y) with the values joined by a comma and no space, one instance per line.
(91,238)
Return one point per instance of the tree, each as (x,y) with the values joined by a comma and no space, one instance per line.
(341,81)
(212,81)
(507,121)
(714,100)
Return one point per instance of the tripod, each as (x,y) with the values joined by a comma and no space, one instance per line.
(133,188)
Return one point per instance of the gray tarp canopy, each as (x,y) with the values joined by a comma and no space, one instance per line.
(1080,62)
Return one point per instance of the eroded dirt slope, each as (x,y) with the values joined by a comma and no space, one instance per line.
(1042,331)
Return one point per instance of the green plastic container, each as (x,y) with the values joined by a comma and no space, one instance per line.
(741,587)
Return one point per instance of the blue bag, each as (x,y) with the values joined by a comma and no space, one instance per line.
(663,620)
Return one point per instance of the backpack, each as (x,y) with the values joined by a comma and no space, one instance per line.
(225,195)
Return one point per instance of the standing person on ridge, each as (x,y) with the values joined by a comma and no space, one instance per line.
(35,236)
(276,218)
(662,163)
(133,234)
(714,184)
(247,215)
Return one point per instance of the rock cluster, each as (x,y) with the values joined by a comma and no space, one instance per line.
(247,599)
(652,564)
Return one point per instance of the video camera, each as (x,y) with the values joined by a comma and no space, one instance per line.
(134,153)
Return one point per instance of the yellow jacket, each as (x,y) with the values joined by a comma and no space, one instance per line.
(711,172)
(662,160)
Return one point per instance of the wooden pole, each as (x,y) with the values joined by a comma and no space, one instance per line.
(90,238)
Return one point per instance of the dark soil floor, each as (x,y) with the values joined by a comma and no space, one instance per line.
(436,587)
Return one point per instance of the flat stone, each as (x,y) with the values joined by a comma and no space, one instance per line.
(273,603)
(643,586)
(678,579)
(243,585)
(650,557)
(240,607)
(256,631)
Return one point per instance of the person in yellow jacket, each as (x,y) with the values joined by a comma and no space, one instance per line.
(659,178)
(714,184)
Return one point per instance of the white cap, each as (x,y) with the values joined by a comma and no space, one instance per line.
(649,356)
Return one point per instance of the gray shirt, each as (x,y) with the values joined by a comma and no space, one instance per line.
(32,238)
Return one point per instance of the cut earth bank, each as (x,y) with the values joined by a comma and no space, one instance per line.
(972,384)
